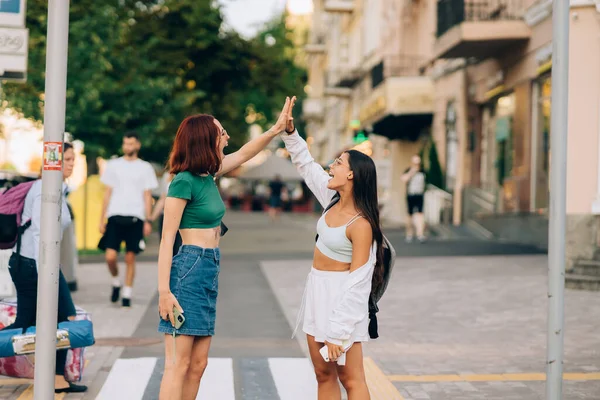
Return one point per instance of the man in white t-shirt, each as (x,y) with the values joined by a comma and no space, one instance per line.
(126,212)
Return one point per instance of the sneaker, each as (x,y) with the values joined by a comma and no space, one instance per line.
(116,292)
(409,239)
(422,239)
(126,302)
(72,388)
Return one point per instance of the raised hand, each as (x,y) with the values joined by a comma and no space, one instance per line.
(283,117)
(289,127)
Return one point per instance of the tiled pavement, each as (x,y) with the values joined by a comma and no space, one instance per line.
(448,316)
(448,325)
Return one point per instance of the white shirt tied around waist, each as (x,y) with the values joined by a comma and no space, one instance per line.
(353,305)
(30,240)
(129,179)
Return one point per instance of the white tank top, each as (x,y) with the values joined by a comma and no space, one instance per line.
(333,242)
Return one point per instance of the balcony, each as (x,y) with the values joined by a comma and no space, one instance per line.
(317,44)
(313,109)
(339,6)
(401,102)
(339,82)
(396,66)
(479,28)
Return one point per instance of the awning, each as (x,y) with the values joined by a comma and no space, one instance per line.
(272,166)
(400,107)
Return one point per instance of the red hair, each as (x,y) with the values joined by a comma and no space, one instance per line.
(195,146)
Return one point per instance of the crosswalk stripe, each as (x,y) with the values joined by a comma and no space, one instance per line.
(283,379)
(127,379)
(294,378)
(217,382)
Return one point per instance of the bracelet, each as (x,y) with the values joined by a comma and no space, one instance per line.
(289,133)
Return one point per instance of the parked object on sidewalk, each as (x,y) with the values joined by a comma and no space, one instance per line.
(22,366)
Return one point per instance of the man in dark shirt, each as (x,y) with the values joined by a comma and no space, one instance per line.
(275,203)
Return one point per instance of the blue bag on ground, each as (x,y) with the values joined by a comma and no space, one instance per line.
(69,335)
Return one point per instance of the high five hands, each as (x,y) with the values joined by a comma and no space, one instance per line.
(289,127)
(285,122)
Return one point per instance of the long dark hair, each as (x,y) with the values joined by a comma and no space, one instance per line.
(365,199)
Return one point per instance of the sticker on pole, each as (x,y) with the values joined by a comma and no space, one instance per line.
(53,152)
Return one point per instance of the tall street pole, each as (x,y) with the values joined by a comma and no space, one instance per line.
(558,198)
(52,179)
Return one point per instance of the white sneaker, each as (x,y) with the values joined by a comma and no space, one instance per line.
(422,239)
(409,239)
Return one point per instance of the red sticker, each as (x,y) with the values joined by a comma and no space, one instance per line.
(53,153)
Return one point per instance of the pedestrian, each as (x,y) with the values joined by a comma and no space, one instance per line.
(348,261)
(188,282)
(276,187)
(415,180)
(23,268)
(126,212)
(158,213)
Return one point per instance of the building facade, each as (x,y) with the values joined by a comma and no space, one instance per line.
(475,79)
(367,80)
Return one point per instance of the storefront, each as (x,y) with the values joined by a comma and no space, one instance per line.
(540,157)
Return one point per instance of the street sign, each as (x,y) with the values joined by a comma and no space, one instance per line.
(12,13)
(13,53)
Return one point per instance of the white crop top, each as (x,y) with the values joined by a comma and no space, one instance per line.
(333,242)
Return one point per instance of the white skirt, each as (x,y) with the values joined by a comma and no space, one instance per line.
(322,292)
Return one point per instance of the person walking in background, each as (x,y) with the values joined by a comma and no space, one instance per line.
(158,214)
(126,212)
(276,187)
(414,177)
(23,268)
(188,283)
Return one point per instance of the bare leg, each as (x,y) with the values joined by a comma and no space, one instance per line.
(130,274)
(171,387)
(352,374)
(409,228)
(197,367)
(420,225)
(111,261)
(327,378)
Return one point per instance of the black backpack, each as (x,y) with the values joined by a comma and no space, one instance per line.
(389,258)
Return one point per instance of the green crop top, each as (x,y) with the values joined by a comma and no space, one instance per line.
(205,208)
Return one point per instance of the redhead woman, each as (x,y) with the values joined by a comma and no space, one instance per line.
(347,261)
(188,281)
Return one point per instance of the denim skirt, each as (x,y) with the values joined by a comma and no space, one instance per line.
(195,284)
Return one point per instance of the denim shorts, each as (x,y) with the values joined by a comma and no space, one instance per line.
(195,284)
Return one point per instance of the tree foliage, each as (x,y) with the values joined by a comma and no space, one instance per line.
(145,65)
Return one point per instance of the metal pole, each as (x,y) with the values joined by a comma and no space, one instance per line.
(558,197)
(48,269)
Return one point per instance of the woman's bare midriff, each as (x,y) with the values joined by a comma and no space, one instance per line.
(324,263)
(205,238)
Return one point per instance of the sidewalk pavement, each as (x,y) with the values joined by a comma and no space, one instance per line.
(113,325)
(451,327)
(469,327)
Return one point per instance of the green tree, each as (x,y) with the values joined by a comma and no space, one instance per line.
(435,175)
(110,88)
(145,65)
